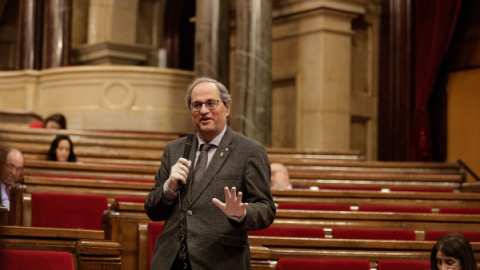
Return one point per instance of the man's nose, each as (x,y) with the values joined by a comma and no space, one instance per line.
(204,108)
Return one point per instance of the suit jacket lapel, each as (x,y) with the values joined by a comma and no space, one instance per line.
(190,172)
(221,154)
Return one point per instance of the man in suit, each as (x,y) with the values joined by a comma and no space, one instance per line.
(12,166)
(207,220)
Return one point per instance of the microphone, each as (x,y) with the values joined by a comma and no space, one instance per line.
(188,146)
(186,150)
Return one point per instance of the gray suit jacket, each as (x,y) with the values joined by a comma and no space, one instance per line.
(214,241)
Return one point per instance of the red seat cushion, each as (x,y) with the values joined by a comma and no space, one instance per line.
(289,232)
(311,206)
(396,209)
(36,124)
(460,210)
(68,210)
(374,234)
(33,259)
(154,230)
(403,265)
(436,235)
(330,264)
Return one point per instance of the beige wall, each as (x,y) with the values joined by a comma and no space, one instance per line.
(103,97)
(463,135)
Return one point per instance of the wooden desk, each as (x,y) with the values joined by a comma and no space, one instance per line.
(90,250)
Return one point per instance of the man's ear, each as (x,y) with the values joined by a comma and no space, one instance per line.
(228,111)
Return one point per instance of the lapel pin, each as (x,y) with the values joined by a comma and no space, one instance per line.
(221,154)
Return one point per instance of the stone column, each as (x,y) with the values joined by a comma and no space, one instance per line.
(30,34)
(212,36)
(56,33)
(313,45)
(111,37)
(253,70)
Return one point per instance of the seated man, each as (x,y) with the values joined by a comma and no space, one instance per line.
(11,160)
(280,178)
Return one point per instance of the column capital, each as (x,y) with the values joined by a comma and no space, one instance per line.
(282,8)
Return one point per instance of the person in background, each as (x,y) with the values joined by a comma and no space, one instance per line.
(12,166)
(453,252)
(54,121)
(280,178)
(61,149)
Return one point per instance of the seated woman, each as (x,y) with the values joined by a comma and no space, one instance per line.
(61,149)
(54,121)
(454,252)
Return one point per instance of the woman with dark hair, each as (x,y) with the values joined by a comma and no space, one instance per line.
(55,121)
(61,149)
(453,252)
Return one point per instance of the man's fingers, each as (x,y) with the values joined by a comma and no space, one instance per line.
(218,203)
(227,194)
(239,197)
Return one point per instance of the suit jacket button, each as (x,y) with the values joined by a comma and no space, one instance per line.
(189,212)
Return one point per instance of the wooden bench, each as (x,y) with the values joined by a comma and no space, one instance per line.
(265,251)
(292,163)
(18,117)
(426,199)
(127,222)
(148,171)
(285,246)
(96,170)
(88,247)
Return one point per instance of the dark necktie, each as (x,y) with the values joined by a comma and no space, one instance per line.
(201,165)
(7,190)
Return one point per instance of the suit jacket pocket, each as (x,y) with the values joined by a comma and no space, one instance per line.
(232,240)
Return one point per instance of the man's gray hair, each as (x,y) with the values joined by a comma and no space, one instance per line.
(222,90)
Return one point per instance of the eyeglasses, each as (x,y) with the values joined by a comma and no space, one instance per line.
(211,104)
(12,167)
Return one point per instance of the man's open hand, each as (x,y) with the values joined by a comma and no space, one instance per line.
(233,206)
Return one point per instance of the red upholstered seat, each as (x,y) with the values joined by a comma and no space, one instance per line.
(68,210)
(154,230)
(289,232)
(330,264)
(373,234)
(436,235)
(460,210)
(311,206)
(403,265)
(33,259)
(396,209)
(36,124)
(130,199)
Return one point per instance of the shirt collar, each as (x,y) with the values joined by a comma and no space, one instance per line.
(216,141)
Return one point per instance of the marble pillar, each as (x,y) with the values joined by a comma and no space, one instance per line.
(56,33)
(312,48)
(212,39)
(30,34)
(112,35)
(253,70)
